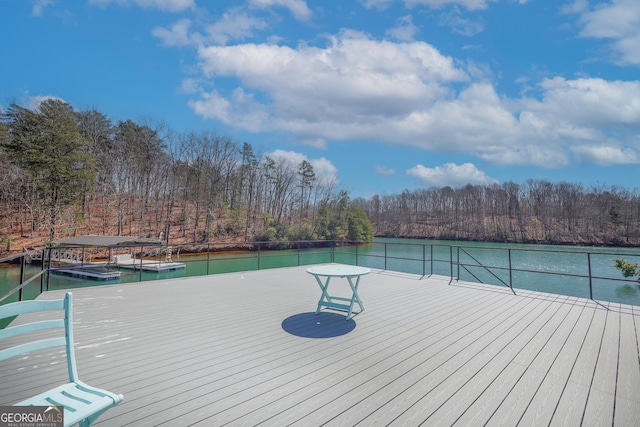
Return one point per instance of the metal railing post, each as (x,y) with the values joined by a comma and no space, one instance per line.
(41,270)
(356,254)
(258,255)
(424,261)
(140,276)
(48,267)
(590,276)
(510,272)
(298,245)
(385,256)
(208,256)
(22,261)
(451,263)
(431,258)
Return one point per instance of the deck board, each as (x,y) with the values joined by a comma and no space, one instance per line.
(543,404)
(523,363)
(487,357)
(215,351)
(629,368)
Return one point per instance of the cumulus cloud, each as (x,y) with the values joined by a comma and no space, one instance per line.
(326,172)
(451,174)
(461,25)
(376,4)
(298,8)
(334,92)
(166,5)
(405,30)
(176,35)
(359,88)
(39,6)
(33,102)
(617,21)
(435,4)
(605,155)
(383,170)
(234,24)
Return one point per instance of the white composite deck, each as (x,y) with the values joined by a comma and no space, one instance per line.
(228,350)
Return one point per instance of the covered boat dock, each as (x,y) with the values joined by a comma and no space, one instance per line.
(76,264)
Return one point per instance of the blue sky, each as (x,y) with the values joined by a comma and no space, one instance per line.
(384,95)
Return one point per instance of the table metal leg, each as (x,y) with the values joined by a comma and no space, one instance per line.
(355,297)
(325,295)
(327,300)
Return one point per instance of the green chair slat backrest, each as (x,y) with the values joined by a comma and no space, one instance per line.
(25,307)
(82,403)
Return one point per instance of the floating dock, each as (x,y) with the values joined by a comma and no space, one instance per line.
(127,261)
(87,271)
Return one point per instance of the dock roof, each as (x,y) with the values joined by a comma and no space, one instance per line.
(105,241)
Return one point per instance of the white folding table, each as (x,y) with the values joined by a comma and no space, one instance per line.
(350,272)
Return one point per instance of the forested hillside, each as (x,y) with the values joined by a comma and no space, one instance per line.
(68,173)
(533,212)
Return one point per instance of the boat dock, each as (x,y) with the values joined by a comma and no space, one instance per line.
(127,261)
(108,271)
(246,349)
(87,271)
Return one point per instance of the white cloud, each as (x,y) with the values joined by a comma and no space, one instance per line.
(166,5)
(408,93)
(587,102)
(383,170)
(618,21)
(405,30)
(298,8)
(235,24)
(376,4)
(176,35)
(190,86)
(333,92)
(435,4)
(460,25)
(604,155)
(33,102)
(578,6)
(326,172)
(451,175)
(39,6)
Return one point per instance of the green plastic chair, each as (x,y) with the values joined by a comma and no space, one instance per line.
(82,403)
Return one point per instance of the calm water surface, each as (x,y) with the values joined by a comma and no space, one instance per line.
(555,269)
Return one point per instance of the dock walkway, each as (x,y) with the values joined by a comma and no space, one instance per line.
(246,349)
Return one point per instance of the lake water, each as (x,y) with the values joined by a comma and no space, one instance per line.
(555,269)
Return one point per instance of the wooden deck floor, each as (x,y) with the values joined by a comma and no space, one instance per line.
(245,349)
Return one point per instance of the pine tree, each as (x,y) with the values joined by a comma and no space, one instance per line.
(48,145)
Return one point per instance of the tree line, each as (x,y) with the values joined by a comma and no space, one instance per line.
(536,211)
(68,172)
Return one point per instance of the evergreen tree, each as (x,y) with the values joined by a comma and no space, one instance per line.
(47,144)
(359,226)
